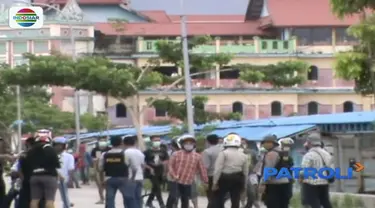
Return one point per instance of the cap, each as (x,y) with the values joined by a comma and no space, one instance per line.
(59,140)
(314,138)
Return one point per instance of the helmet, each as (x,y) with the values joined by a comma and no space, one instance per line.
(175,142)
(185,137)
(286,141)
(232,140)
(270,138)
(59,140)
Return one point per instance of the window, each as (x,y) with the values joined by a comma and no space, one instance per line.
(237,107)
(286,44)
(264,45)
(160,112)
(312,108)
(274,44)
(303,35)
(311,36)
(276,108)
(120,110)
(342,37)
(348,106)
(149,45)
(312,74)
(321,36)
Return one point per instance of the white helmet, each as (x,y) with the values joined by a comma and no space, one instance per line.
(232,140)
(287,141)
(184,137)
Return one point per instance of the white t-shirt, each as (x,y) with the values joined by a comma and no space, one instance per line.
(135,159)
(67,164)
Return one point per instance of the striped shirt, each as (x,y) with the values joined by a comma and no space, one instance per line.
(317,158)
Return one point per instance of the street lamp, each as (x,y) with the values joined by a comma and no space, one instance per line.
(185,53)
(74,56)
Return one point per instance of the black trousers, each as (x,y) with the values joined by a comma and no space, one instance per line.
(156,182)
(277,195)
(229,183)
(209,192)
(185,194)
(2,189)
(316,196)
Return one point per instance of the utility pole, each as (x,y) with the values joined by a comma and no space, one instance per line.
(77,104)
(185,53)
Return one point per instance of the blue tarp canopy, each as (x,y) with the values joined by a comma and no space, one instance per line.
(256,129)
(257,133)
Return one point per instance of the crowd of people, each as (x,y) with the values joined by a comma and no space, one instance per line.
(227,169)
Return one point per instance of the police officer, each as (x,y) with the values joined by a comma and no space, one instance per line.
(276,192)
(230,172)
(114,172)
(44,162)
(286,147)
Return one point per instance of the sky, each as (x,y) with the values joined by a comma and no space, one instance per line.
(193,6)
(190,6)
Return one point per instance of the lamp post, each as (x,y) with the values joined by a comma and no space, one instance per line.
(185,53)
(74,56)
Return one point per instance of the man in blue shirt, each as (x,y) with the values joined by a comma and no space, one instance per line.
(66,170)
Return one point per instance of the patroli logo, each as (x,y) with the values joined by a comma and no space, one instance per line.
(26,17)
(312,173)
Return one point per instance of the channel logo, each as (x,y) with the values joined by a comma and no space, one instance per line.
(26,17)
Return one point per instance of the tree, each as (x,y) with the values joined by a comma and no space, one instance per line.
(359,63)
(94,123)
(125,82)
(177,110)
(36,112)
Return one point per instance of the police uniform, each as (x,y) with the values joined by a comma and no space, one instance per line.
(112,163)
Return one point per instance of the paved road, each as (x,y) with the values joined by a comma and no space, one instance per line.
(87,196)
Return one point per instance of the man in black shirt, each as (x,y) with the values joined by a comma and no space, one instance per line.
(97,151)
(44,162)
(114,172)
(24,169)
(155,159)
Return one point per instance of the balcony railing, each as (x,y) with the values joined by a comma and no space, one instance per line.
(258,46)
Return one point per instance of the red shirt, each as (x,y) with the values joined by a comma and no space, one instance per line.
(183,167)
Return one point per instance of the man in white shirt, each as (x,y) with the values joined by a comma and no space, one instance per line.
(135,160)
(67,169)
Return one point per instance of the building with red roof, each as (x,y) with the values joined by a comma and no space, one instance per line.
(266,32)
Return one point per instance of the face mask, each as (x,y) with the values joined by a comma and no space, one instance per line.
(244,146)
(188,147)
(102,144)
(156,144)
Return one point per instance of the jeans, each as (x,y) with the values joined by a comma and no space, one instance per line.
(133,196)
(63,188)
(185,194)
(84,176)
(112,185)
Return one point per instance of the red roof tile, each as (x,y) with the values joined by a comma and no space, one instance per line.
(305,13)
(209,18)
(157,16)
(106,2)
(174,29)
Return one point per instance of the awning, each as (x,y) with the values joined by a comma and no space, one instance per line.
(257,133)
